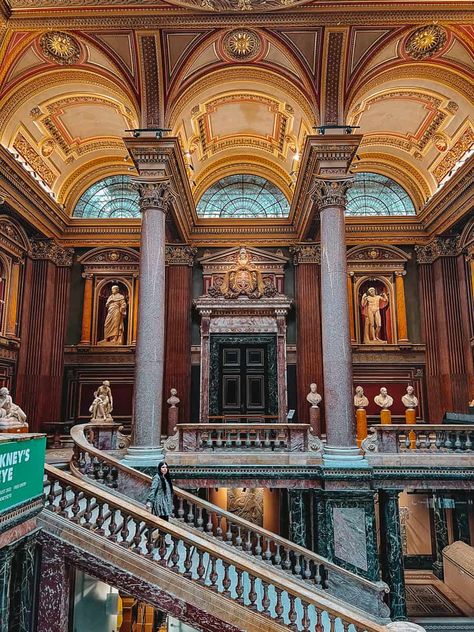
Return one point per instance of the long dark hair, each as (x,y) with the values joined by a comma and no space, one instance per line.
(166,476)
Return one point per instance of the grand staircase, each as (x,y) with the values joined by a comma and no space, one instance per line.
(208,567)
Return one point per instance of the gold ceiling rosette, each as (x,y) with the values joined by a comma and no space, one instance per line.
(426,41)
(60,47)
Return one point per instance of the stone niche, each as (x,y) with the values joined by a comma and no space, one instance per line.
(244,295)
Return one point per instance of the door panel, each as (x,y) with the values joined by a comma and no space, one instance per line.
(243,380)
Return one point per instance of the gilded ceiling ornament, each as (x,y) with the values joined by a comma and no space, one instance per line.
(59,47)
(440,142)
(426,41)
(242,44)
(47,147)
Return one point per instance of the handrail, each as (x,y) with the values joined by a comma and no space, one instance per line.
(277,596)
(313,569)
(406,438)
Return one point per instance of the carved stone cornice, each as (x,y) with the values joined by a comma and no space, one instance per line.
(306,253)
(49,250)
(180,255)
(331,192)
(439,247)
(155,194)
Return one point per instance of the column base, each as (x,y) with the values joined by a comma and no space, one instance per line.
(142,456)
(343,457)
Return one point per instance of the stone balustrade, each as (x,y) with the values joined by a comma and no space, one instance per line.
(280,598)
(243,436)
(433,438)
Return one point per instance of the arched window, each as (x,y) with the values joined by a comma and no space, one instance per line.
(111,197)
(374,194)
(243,195)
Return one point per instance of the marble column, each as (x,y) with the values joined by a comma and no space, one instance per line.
(6,558)
(22,609)
(461,518)
(155,199)
(392,552)
(297,501)
(54,591)
(441,533)
(340,448)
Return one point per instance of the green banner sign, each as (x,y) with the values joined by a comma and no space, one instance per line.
(21,469)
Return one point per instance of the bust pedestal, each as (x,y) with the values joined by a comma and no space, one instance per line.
(315,420)
(361,421)
(385,416)
(410,419)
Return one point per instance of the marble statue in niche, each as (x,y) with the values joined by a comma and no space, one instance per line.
(11,415)
(103,404)
(313,397)
(371,304)
(410,400)
(114,330)
(383,399)
(360,400)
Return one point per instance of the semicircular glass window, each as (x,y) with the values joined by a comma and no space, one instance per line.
(243,196)
(111,197)
(374,194)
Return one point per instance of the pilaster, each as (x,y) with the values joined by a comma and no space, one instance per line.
(54,591)
(392,552)
(298,509)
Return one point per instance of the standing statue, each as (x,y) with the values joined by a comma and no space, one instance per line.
(371,304)
(383,399)
(114,321)
(313,397)
(360,400)
(410,400)
(11,415)
(102,404)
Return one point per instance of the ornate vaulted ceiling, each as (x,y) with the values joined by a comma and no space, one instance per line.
(240,97)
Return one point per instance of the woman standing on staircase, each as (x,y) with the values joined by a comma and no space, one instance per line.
(160,499)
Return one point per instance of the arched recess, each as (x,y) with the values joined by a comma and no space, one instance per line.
(411,114)
(63,120)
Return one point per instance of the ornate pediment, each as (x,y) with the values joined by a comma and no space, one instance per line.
(12,237)
(373,258)
(115,260)
(243,272)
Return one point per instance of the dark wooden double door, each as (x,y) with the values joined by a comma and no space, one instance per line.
(243,380)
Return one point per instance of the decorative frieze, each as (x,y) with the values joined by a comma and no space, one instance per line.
(180,255)
(439,247)
(306,253)
(49,249)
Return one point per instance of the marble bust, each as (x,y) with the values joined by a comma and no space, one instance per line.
(360,400)
(313,397)
(410,400)
(383,399)
(173,401)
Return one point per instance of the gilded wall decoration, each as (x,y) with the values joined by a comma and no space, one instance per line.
(242,44)
(463,144)
(48,249)
(426,41)
(60,47)
(34,160)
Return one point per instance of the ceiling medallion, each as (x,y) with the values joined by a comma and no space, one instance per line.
(242,44)
(60,47)
(426,41)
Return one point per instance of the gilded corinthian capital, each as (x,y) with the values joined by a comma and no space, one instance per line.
(157,194)
(331,192)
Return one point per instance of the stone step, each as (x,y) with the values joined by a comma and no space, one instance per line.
(446,624)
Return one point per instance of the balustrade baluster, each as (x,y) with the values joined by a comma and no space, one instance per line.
(213,576)
(228,438)
(209,526)
(267,442)
(188,562)
(209,439)
(468,444)
(305,621)
(248,542)
(278,605)
(124,532)
(75,508)
(226,582)
(248,441)
(174,557)
(268,550)
(200,520)
(88,514)
(201,569)
(137,536)
(265,597)
(292,612)
(317,576)
(407,441)
(418,440)
(219,439)
(277,556)
(239,588)
(287,561)
(99,521)
(457,442)
(258,547)
(180,512)
(238,439)
(63,502)
(228,535)
(162,549)
(447,442)
(319,623)
(252,592)
(297,567)
(258,441)
(219,528)
(238,539)
(190,515)
(307,569)
(50,496)
(439,439)
(150,544)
